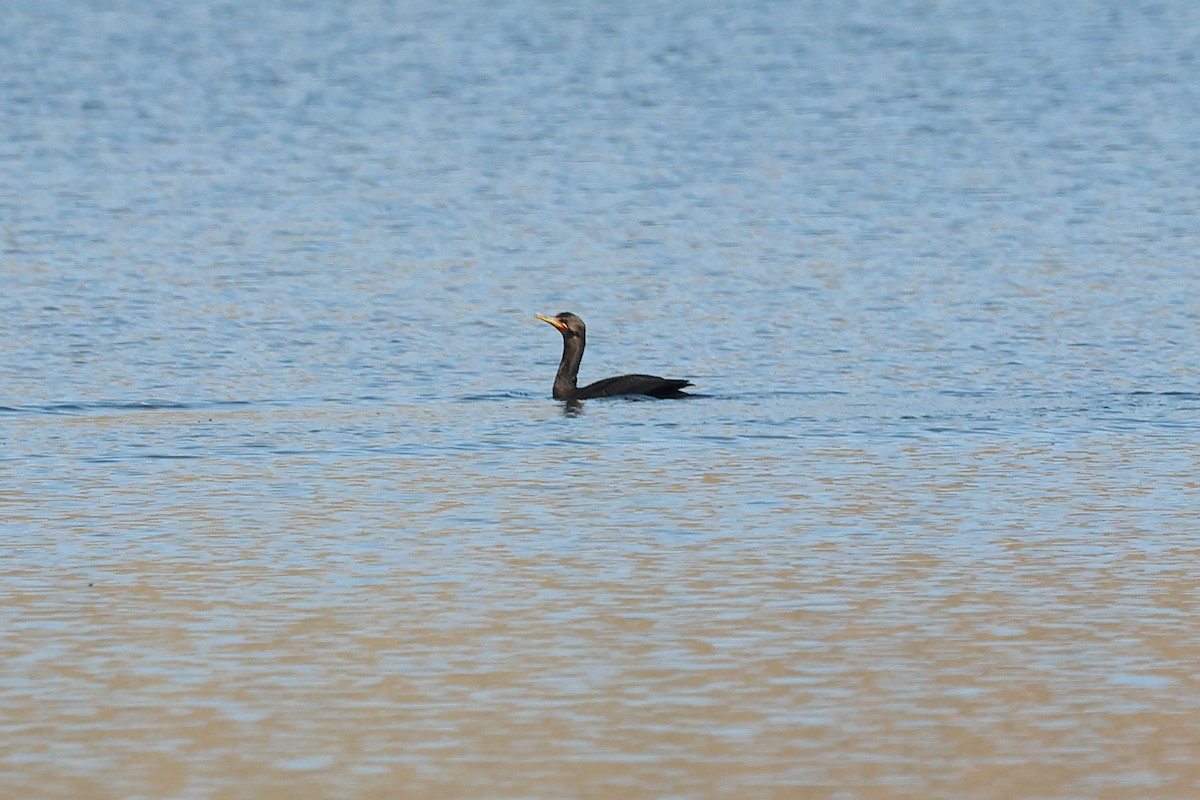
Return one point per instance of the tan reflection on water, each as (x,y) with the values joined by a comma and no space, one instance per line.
(339,643)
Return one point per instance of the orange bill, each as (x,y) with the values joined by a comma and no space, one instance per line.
(562,326)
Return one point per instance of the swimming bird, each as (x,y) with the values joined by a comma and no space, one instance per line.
(574,334)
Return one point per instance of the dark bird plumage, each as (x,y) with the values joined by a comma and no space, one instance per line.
(574,334)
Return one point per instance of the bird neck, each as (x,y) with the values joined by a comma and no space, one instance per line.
(568,369)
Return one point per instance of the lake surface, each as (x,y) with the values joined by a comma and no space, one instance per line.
(287,508)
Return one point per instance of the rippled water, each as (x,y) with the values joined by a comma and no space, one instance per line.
(288,509)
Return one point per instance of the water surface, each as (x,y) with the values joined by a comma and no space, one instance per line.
(288,510)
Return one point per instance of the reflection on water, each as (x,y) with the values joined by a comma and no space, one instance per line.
(894,614)
(287,508)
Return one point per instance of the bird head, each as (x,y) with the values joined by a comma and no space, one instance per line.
(567,324)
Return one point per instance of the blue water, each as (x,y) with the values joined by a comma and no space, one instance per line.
(287,504)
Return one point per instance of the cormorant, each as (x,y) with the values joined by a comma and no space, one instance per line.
(574,334)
